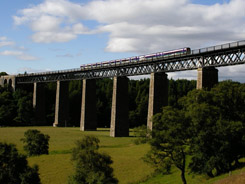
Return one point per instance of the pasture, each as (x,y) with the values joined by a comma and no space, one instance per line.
(127,157)
(56,167)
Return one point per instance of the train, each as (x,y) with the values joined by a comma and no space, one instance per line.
(142,58)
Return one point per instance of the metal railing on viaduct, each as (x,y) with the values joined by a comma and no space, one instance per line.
(204,60)
(215,56)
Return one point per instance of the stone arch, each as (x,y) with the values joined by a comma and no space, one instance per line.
(5,82)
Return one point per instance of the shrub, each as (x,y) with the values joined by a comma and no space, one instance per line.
(142,133)
(91,166)
(14,168)
(36,143)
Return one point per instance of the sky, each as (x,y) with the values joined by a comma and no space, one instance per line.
(47,35)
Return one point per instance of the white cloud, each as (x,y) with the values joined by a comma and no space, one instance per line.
(235,73)
(190,75)
(65,55)
(46,23)
(53,21)
(27,57)
(10,53)
(3,38)
(17,51)
(138,26)
(5,42)
(18,54)
(49,37)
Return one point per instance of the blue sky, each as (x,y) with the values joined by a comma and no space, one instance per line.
(44,35)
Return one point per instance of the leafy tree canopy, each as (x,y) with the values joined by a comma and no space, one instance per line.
(91,167)
(208,125)
(170,140)
(3,73)
(217,126)
(14,168)
(36,143)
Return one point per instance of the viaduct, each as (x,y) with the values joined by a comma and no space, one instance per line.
(203,60)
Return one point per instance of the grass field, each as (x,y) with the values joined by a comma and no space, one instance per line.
(128,165)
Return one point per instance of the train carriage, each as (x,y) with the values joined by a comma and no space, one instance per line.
(171,53)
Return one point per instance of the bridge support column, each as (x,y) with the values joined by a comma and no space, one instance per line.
(88,109)
(61,104)
(119,109)
(158,95)
(3,81)
(207,77)
(39,103)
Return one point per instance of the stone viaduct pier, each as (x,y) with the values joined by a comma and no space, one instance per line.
(203,60)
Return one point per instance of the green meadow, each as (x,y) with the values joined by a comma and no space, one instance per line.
(127,157)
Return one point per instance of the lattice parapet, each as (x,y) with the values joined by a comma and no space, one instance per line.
(217,56)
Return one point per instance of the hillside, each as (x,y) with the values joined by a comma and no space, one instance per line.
(128,164)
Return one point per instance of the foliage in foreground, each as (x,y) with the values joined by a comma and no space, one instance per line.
(36,143)
(15,107)
(170,140)
(14,168)
(205,127)
(218,126)
(142,133)
(91,167)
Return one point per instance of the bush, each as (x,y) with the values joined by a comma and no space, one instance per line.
(91,166)
(14,168)
(36,143)
(142,133)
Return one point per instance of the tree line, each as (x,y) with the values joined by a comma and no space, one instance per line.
(16,106)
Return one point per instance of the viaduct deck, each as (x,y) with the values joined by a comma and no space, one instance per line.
(215,56)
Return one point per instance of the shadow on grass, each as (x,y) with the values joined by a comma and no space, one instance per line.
(55,152)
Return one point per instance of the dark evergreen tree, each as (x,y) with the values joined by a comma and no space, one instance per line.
(23,101)
(7,108)
(14,168)
(104,100)
(50,94)
(179,88)
(75,95)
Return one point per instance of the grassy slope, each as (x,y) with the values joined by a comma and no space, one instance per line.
(237,177)
(56,167)
(128,165)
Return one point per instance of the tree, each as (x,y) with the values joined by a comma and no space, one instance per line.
(142,133)
(170,141)
(14,168)
(3,73)
(229,97)
(7,108)
(218,138)
(138,104)
(91,166)
(179,88)
(104,100)
(36,143)
(75,90)
(23,101)
(15,107)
